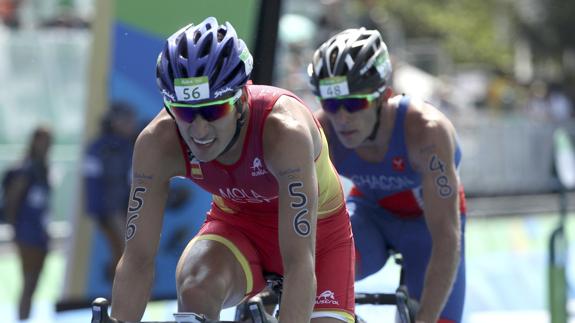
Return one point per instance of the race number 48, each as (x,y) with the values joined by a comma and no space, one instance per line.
(333,87)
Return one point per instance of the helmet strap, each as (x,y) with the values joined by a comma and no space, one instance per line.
(376,125)
(384,97)
(239,124)
(169,112)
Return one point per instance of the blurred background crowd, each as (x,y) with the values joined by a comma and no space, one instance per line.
(502,65)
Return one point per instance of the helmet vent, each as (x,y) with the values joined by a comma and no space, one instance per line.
(170,73)
(206,47)
(218,68)
(363,37)
(181,67)
(333,57)
(221,34)
(197,36)
(331,42)
(354,51)
(234,72)
(227,50)
(183,49)
(370,52)
(200,70)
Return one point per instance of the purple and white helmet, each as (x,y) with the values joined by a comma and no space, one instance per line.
(203,62)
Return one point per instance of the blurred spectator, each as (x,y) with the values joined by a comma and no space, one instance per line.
(372,15)
(9,12)
(548,102)
(560,106)
(537,104)
(67,17)
(107,176)
(26,204)
(501,94)
(332,20)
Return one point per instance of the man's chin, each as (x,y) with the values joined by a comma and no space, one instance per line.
(204,156)
(350,143)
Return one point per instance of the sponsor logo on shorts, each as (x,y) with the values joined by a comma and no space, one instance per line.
(326,297)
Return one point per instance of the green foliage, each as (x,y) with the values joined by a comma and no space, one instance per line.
(467,28)
(559,25)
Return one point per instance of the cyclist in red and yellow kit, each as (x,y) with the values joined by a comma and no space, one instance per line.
(277,204)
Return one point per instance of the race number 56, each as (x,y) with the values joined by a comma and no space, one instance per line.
(137,203)
(301,224)
(192,89)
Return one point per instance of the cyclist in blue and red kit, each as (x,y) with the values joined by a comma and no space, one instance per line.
(402,156)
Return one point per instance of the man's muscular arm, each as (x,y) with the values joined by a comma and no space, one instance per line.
(433,156)
(135,270)
(289,155)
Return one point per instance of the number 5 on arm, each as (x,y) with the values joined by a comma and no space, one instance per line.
(135,270)
(289,155)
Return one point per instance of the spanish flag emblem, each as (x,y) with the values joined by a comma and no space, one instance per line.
(196,169)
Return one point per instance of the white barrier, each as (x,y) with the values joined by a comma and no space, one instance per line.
(509,155)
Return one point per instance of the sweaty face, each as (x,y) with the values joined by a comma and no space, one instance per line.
(207,140)
(353,128)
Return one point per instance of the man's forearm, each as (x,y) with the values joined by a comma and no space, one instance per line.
(131,291)
(439,278)
(298,297)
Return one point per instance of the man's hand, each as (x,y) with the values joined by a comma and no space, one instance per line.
(255,311)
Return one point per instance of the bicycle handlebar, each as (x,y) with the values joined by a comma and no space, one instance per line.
(100,315)
(406,307)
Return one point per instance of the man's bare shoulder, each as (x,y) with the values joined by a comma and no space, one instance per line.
(424,120)
(158,143)
(159,132)
(323,119)
(290,121)
(428,131)
(289,114)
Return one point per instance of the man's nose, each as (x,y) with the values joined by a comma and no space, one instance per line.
(341,115)
(199,127)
